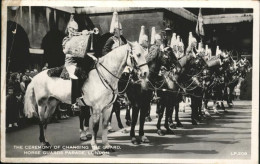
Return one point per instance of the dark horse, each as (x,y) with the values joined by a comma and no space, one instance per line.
(169,96)
(216,81)
(139,98)
(236,74)
(191,84)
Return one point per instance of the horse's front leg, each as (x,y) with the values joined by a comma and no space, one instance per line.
(166,124)
(215,107)
(106,115)
(95,122)
(143,112)
(45,113)
(177,106)
(135,112)
(160,116)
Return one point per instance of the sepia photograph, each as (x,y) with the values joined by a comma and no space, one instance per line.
(130,82)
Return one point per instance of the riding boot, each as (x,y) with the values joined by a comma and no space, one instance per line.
(74,94)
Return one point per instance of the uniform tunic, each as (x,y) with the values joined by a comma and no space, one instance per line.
(69,59)
(112,43)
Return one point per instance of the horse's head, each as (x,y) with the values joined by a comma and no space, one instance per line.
(247,65)
(170,60)
(244,66)
(198,62)
(136,59)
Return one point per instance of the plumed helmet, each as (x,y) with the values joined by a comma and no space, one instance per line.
(192,41)
(143,38)
(173,40)
(218,51)
(180,44)
(141,34)
(115,23)
(200,48)
(178,38)
(157,37)
(72,23)
(153,35)
(190,37)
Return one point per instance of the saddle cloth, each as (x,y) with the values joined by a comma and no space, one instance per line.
(59,72)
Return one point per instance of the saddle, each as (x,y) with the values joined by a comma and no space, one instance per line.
(84,66)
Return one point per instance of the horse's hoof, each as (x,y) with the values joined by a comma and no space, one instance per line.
(84,138)
(148,119)
(125,131)
(111,130)
(172,126)
(194,122)
(144,139)
(128,123)
(169,131)
(89,136)
(230,105)
(109,149)
(134,141)
(216,112)
(97,153)
(207,114)
(202,116)
(179,124)
(160,132)
(46,146)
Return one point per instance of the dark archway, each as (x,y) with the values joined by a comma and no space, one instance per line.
(17,52)
(52,46)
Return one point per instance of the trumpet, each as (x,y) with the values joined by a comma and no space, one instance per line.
(86,32)
(94,31)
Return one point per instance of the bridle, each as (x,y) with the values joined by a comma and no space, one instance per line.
(133,64)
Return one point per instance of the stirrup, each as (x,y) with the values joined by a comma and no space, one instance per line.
(75,107)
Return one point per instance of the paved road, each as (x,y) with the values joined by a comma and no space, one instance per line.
(216,138)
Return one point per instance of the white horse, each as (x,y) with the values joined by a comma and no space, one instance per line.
(44,93)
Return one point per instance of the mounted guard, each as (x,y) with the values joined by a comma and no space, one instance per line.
(75,47)
(116,39)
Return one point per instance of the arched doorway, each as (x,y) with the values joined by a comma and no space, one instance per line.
(17,52)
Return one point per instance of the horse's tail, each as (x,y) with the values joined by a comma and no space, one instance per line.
(30,102)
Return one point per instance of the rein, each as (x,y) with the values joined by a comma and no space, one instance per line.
(105,81)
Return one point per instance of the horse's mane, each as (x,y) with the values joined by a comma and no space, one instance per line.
(152,53)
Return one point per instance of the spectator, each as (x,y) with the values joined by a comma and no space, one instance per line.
(14,82)
(24,83)
(35,71)
(45,67)
(12,113)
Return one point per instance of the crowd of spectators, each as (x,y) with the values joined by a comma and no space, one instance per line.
(16,85)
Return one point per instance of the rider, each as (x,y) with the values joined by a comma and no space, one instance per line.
(71,59)
(117,39)
(180,52)
(113,42)
(143,40)
(191,49)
